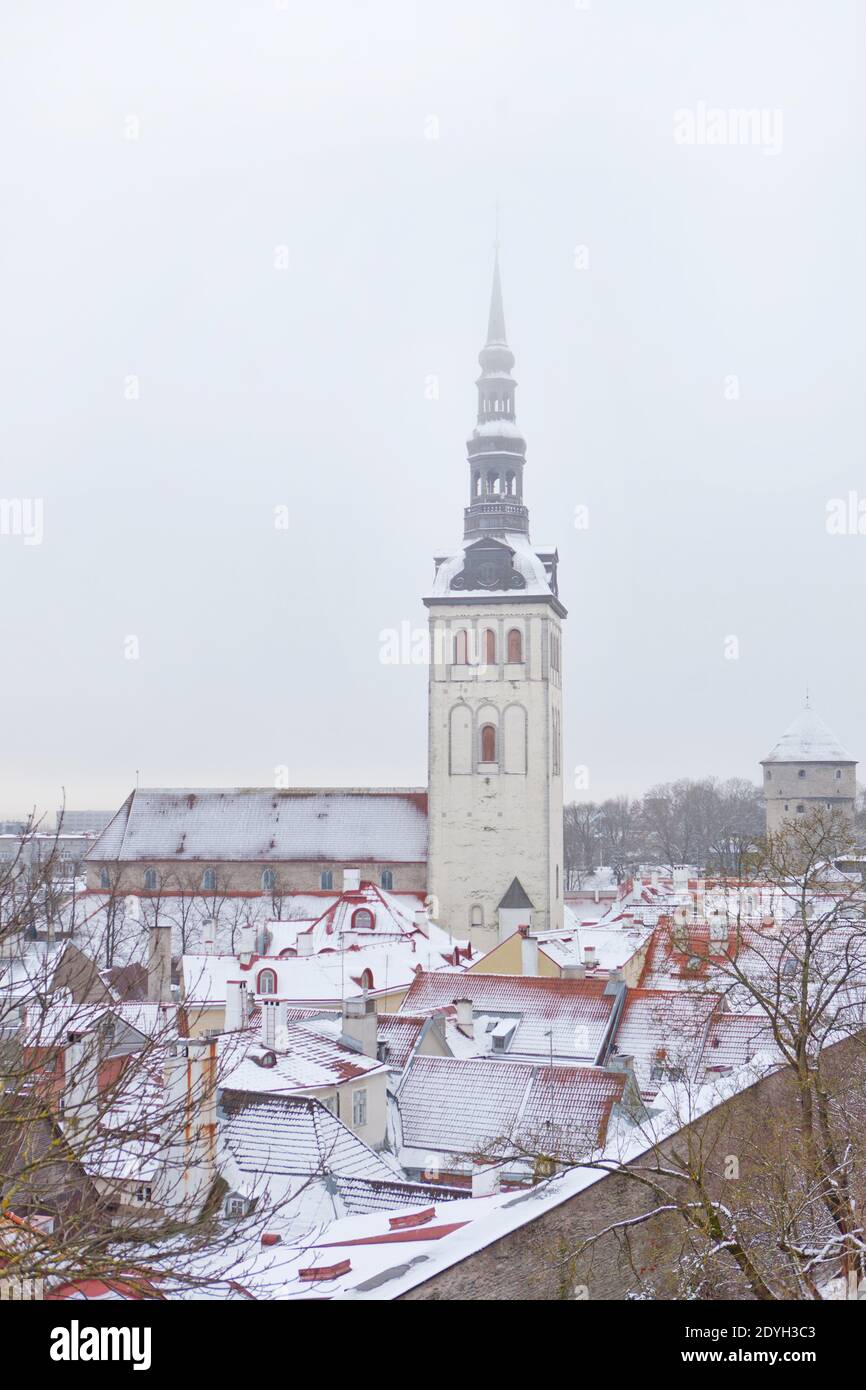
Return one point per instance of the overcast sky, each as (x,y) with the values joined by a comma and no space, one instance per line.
(693,376)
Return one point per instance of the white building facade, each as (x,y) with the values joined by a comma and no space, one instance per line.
(495,692)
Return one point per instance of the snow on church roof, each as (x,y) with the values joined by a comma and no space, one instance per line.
(808,740)
(527,562)
(380,825)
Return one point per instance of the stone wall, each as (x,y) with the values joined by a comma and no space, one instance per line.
(758,1127)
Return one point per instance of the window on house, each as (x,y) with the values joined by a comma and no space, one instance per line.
(476,916)
(236,1207)
(267,982)
(460,648)
(208,880)
(143,1193)
(838,774)
(515,645)
(326,879)
(104,880)
(802,772)
(269,880)
(490,647)
(359,1108)
(386,879)
(769,775)
(362,919)
(150,880)
(488,744)
(800,809)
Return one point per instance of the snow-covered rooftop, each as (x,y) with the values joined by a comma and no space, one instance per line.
(808,740)
(263,824)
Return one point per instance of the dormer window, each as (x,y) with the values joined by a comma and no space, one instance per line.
(362,919)
(267,982)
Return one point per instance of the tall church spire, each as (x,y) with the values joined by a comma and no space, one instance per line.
(497,449)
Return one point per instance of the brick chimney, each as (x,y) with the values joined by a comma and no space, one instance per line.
(274,1024)
(236,1005)
(361,1024)
(465,1017)
(209,936)
(159,964)
(247,946)
(528,952)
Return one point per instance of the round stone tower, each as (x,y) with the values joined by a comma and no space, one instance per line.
(807,770)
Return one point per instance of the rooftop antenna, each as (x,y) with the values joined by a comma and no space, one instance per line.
(496,224)
(808,706)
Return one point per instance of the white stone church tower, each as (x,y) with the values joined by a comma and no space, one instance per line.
(495,713)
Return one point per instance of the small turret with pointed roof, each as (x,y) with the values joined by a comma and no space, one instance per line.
(497,449)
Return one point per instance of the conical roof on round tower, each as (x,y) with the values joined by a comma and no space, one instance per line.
(808,740)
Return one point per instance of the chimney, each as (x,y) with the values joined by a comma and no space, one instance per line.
(304,943)
(572,970)
(209,936)
(590,957)
(637,886)
(528,952)
(159,964)
(621,1061)
(81,1081)
(188,1128)
(236,1005)
(465,1018)
(274,1026)
(422,920)
(247,946)
(361,1024)
(486,1179)
(351,880)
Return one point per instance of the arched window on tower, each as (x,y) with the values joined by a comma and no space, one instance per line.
(490,482)
(509,484)
(476,916)
(488,743)
(460,648)
(208,880)
(515,645)
(476,484)
(489,647)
